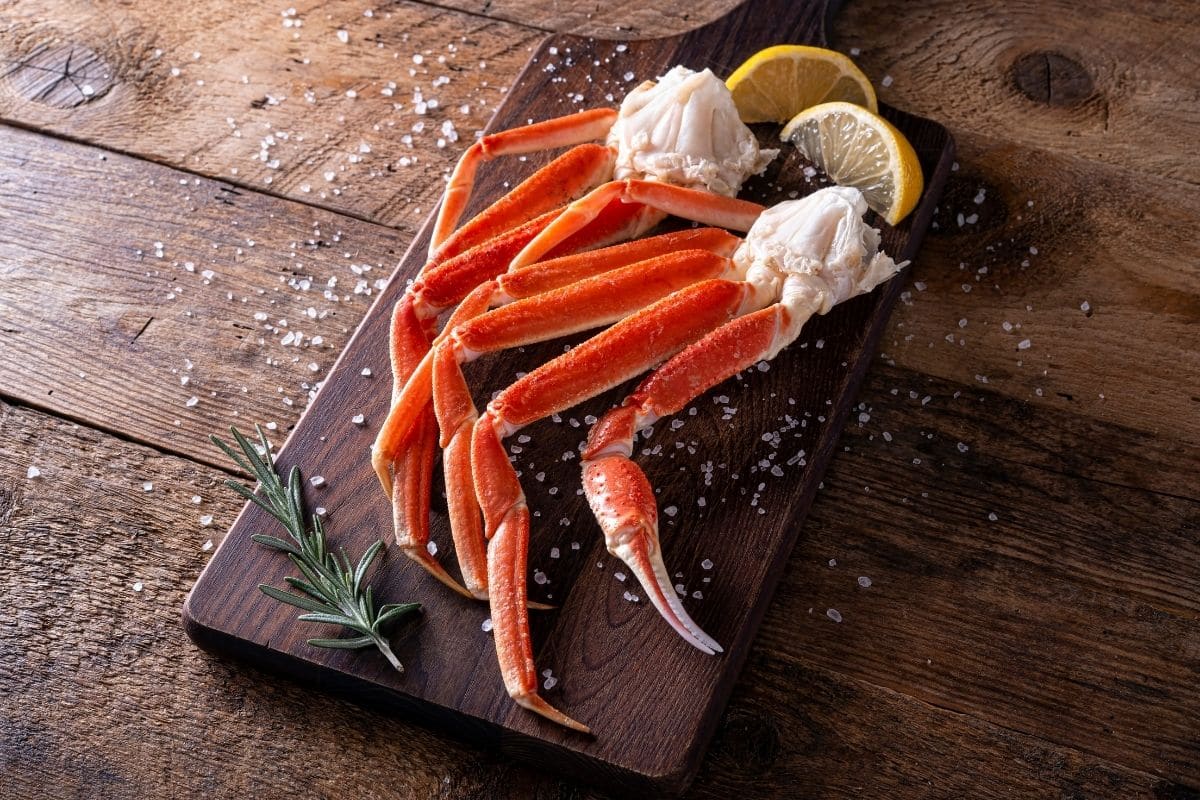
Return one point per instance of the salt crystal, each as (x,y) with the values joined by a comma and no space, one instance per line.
(343,36)
(207,546)
(321,511)
(886,82)
(206,520)
(962,448)
(864,581)
(699,595)
(992,516)
(486,625)
(33,472)
(358,419)
(706,564)
(137,586)
(196,499)
(1024,344)
(834,614)
(833,562)
(671,511)
(619,576)
(550,683)
(366,372)
(317,480)
(1085,306)
(628,76)
(431,547)
(147,487)
(191,401)
(540,578)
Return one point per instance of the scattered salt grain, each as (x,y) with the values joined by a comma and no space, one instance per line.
(358,419)
(834,614)
(554,552)
(33,472)
(833,562)
(366,372)
(206,520)
(191,401)
(886,82)
(487,625)
(864,581)
(147,487)
(196,499)
(317,480)
(706,564)
(540,578)
(1024,344)
(619,576)
(431,546)
(550,683)
(992,516)
(137,586)
(1085,306)
(343,36)
(207,546)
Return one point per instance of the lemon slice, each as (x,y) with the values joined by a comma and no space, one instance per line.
(856,147)
(775,84)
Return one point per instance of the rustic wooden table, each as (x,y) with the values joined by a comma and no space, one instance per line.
(195,207)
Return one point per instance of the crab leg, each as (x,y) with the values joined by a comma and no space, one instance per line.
(609,358)
(586,126)
(570,175)
(693,204)
(617,489)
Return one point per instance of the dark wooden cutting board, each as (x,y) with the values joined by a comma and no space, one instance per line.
(754,449)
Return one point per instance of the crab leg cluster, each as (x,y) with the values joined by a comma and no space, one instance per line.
(524,271)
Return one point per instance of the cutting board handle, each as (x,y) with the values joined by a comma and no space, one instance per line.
(755,24)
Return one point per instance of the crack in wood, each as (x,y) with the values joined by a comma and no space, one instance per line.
(62,75)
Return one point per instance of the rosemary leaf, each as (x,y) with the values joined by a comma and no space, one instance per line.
(333,591)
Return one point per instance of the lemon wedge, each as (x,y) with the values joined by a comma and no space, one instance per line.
(856,147)
(775,84)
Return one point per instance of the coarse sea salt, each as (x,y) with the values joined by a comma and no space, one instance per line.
(834,614)
(33,472)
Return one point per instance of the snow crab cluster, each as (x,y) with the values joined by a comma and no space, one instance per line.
(547,260)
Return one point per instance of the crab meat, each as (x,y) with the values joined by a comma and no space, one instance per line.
(685,130)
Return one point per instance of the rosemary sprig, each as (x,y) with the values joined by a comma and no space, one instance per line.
(331,590)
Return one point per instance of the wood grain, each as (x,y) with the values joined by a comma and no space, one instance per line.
(1094,275)
(1107,81)
(143,300)
(273,102)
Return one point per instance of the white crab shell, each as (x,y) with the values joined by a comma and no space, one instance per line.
(815,252)
(684,130)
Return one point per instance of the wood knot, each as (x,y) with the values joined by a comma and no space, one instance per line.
(1052,78)
(60,74)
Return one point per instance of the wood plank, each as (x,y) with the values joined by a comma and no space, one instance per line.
(608,669)
(276,102)
(181,722)
(1105,81)
(1055,606)
(143,300)
(1093,269)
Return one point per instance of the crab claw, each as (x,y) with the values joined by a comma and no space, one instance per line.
(623,502)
